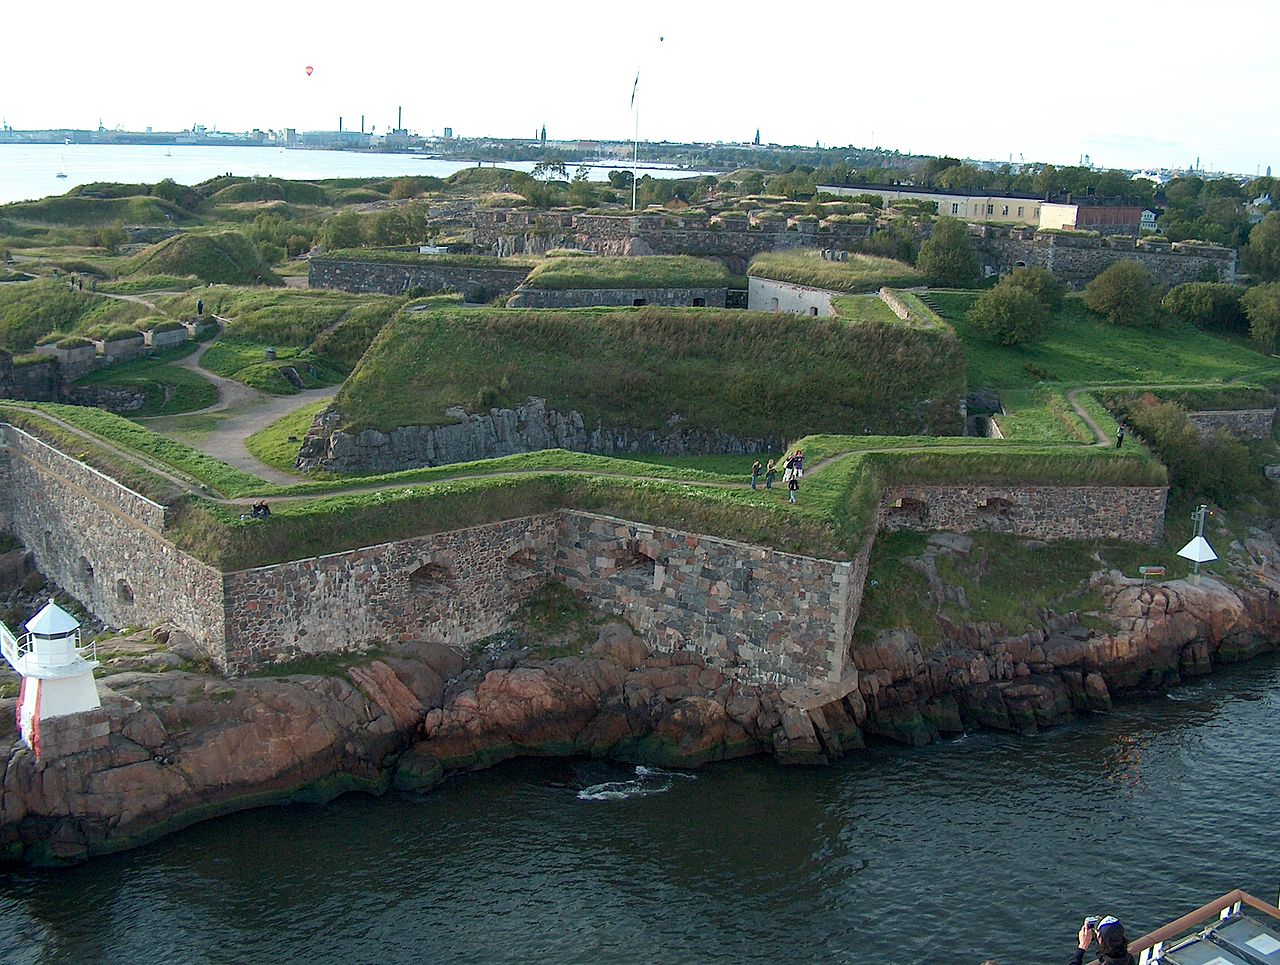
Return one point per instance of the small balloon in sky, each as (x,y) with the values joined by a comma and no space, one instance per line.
(309,70)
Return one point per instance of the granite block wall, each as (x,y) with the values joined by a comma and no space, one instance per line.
(394,279)
(1241,423)
(596,297)
(102,542)
(752,613)
(767,295)
(452,588)
(1133,513)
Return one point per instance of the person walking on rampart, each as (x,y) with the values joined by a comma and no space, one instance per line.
(793,483)
(755,473)
(1120,435)
(770,473)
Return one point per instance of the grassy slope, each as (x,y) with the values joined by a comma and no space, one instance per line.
(169,389)
(1080,348)
(225,257)
(750,374)
(861,273)
(655,271)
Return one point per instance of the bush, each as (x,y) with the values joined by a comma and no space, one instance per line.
(1262,307)
(1124,293)
(947,259)
(1041,283)
(1009,314)
(1216,466)
(1210,306)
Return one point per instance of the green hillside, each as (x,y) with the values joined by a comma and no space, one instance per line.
(861,273)
(654,271)
(226,257)
(750,374)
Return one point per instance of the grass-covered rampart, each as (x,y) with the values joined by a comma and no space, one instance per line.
(654,271)
(750,374)
(861,273)
(224,257)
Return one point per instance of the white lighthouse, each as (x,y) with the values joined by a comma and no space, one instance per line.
(57,679)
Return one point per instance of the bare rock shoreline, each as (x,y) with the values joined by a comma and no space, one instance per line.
(188,746)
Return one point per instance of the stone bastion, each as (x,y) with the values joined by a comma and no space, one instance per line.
(752,612)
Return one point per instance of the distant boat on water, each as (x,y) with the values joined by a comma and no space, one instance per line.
(61,164)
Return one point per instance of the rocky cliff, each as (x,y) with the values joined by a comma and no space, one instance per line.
(500,432)
(184,746)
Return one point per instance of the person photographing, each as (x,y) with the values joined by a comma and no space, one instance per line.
(1113,947)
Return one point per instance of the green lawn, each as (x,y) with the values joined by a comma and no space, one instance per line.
(1080,348)
(272,444)
(169,388)
(864,308)
(655,271)
(247,362)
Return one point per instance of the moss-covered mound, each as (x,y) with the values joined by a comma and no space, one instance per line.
(655,271)
(227,258)
(861,273)
(87,212)
(271,189)
(749,374)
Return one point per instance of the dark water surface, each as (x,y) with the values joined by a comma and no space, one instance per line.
(992,845)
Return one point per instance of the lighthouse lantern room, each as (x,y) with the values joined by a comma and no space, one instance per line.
(57,672)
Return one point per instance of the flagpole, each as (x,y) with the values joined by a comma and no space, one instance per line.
(635,150)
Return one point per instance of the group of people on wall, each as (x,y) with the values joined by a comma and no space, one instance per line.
(792,472)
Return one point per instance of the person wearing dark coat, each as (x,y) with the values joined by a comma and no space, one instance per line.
(1113,947)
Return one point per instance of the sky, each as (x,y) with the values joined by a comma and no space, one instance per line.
(1130,84)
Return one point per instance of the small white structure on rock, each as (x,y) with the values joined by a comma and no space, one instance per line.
(57,673)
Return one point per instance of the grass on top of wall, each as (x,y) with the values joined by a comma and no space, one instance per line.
(386,257)
(169,389)
(861,273)
(1082,348)
(751,374)
(652,271)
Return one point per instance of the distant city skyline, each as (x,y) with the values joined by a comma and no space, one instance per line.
(1106,80)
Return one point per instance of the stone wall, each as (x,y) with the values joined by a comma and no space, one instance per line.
(33,382)
(500,432)
(450,588)
(479,284)
(750,612)
(1241,423)
(767,295)
(1078,259)
(596,297)
(1133,513)
(101,542)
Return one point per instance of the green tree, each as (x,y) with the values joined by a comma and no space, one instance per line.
(1261,255)
(343,230)
(1206,305)
(1125,293)
(1262,307)
(110,237)
(1041,283)
(1009,314)
(947,258)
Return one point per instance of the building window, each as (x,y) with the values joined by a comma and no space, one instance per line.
(955,208)
(1004,211)
(991,209)
(1019,211)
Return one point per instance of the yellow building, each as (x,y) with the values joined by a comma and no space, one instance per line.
(968,207)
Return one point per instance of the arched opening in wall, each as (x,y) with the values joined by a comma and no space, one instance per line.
(909,506)
(773,305)
(429,578)
(638,302)
(524,557)
(1019,264)
(813,309)
(699,303)
(635,564)
(84,570)
(124,593)
(995,506)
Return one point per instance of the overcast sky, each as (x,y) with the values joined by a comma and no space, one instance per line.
(1130,84)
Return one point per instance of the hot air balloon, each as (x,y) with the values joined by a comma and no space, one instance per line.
(309,70)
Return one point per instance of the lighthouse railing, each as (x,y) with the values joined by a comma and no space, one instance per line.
(11,648)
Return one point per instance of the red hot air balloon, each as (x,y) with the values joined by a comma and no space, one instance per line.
(309,70)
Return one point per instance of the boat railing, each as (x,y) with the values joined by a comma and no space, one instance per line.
(1149,948)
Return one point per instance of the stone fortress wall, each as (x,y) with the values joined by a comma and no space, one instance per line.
(476,284)
(626,297)
(1242,423)
(753,613)
(1077,259)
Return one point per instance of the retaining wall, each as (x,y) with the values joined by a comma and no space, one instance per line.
(1132,513)
(1241,423)
(1078,259)
(767,295)
(596,297)
(394,279)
